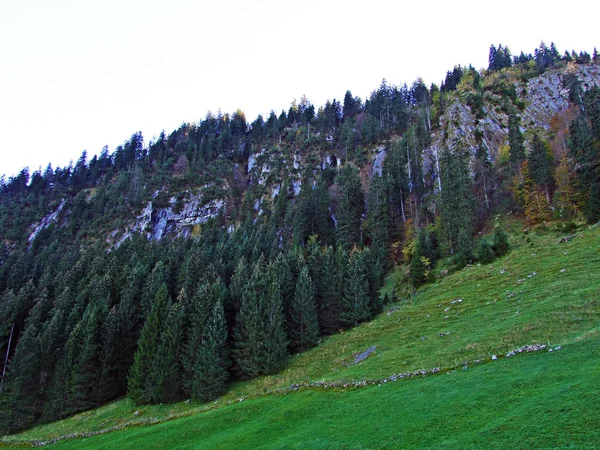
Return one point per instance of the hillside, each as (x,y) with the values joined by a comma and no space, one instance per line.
(187,267)
(431,380)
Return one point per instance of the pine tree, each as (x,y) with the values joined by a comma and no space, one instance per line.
(304,327)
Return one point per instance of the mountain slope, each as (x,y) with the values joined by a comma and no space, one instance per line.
(544,292)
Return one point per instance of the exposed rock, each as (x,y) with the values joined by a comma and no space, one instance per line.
(157,223)
(378,162)
(45,222)
(361,356)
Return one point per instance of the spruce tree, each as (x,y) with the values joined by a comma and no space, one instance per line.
(332,285)
(356,298)
(248,335)
(167,370)
(456,209)
(198,311)
(213,355)
(350,207)
(141,375)
(541,166)
(515,141)
(304,327)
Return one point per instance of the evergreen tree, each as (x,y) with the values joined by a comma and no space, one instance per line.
(350,207)
(167,367)
(304,327)
(515,141)
(213,362)
(142,377)
(541,166)
(260,342)
(356,299)
(456,209)
(332,287)
(84,380)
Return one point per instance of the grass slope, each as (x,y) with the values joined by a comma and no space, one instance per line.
(548,397)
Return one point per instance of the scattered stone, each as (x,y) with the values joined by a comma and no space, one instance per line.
(494,357)
(563,270)
(458,300)
(557,348)
(447,309)
(364,354)
(526,349)
(445,333)
(137,413)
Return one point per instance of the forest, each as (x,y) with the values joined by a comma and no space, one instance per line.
(319,205)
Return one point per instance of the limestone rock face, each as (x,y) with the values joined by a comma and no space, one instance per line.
(177,220)
(543,98)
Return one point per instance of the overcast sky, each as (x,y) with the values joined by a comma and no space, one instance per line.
(78,75)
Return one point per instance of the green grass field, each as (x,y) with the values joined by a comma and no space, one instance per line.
(543,292)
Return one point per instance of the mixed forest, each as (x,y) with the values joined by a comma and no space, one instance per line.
(310,209)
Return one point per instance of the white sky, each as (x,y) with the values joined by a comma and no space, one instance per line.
(78,75)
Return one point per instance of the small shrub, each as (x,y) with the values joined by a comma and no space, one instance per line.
(500,244)
(484,252)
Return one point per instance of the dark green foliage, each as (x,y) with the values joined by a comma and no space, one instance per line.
(356,299)
(260,340)
(331,293)
(350,207)
(484,252)
(142,376)
(167,368)
(456,209)
(213,362)
(541,164)
(499,58)
(304,326)
(206,357)
(515,141)
(500,244)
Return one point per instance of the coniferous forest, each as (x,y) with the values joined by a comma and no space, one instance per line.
(303,214)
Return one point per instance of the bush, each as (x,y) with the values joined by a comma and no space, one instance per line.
(500,244)
(484,252)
